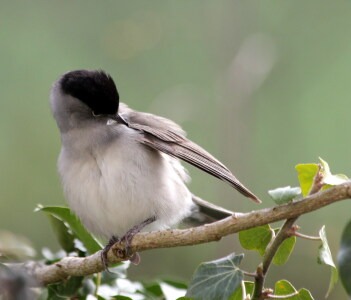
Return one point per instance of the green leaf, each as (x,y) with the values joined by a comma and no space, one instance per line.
(284,251)
(344,258)
(284,287)
(68,287)
(256,238)
(216,279)
(153,289)
(329,178)
(284,194)
(177,284)
(64,237)
(65,215)
(52,295)
(238,294)
(121,298)
(325,258)
(306,174)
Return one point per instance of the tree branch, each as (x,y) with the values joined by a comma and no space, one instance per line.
(76,266)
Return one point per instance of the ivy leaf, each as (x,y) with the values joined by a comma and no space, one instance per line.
(284,287)
(284,194)
(153,290)
(177,284)
(65,215)
(64,237)
(284,251)
(165,289)
(68,287)
(344,258)
(329,178)
(52,295)
(325,258)
(256,238)
(216,279)
(306,174)
(238,295)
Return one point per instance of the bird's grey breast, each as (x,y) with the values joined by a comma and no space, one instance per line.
(119,181)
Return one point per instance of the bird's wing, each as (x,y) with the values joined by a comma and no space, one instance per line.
(166,136)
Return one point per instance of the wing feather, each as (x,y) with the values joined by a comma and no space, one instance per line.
(165,136)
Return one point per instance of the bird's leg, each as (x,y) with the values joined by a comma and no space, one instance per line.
(128,237)
(107,248)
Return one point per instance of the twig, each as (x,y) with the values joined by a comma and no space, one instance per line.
(249,274)
(78,266)
(317,181)
(282,235)
(271,250)
(307,237)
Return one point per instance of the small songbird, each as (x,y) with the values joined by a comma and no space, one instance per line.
(120,168)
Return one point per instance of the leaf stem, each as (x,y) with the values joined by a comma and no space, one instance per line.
(243,288)
(250,274)
(307,237)
(281,296)
(97,284)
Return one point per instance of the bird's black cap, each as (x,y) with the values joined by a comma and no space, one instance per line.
(94,88)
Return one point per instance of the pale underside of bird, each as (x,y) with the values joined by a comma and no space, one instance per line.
(121,168)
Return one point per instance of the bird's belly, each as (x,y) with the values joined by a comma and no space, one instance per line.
(111,192)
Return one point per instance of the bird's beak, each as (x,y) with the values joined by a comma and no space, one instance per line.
(116,118)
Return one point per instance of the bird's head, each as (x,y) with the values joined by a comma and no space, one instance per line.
(83,95)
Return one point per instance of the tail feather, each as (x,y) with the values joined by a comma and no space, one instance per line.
(205,212)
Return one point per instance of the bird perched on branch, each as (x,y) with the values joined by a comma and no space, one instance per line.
(120,168)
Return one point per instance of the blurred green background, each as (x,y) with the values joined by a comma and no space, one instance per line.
(263,85)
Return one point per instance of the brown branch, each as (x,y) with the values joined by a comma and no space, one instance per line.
(76,266)
(317,181)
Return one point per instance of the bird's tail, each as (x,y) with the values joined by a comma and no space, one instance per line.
(205,212)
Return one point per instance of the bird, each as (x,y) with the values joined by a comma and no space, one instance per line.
(121,169)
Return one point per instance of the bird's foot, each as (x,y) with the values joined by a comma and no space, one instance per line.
(107,248)
(128,237)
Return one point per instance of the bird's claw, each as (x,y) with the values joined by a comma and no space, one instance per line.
(105,251)
(127,239)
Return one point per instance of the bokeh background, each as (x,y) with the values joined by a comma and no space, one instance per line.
(263,85)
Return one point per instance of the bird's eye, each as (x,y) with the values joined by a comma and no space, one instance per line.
(96,115)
